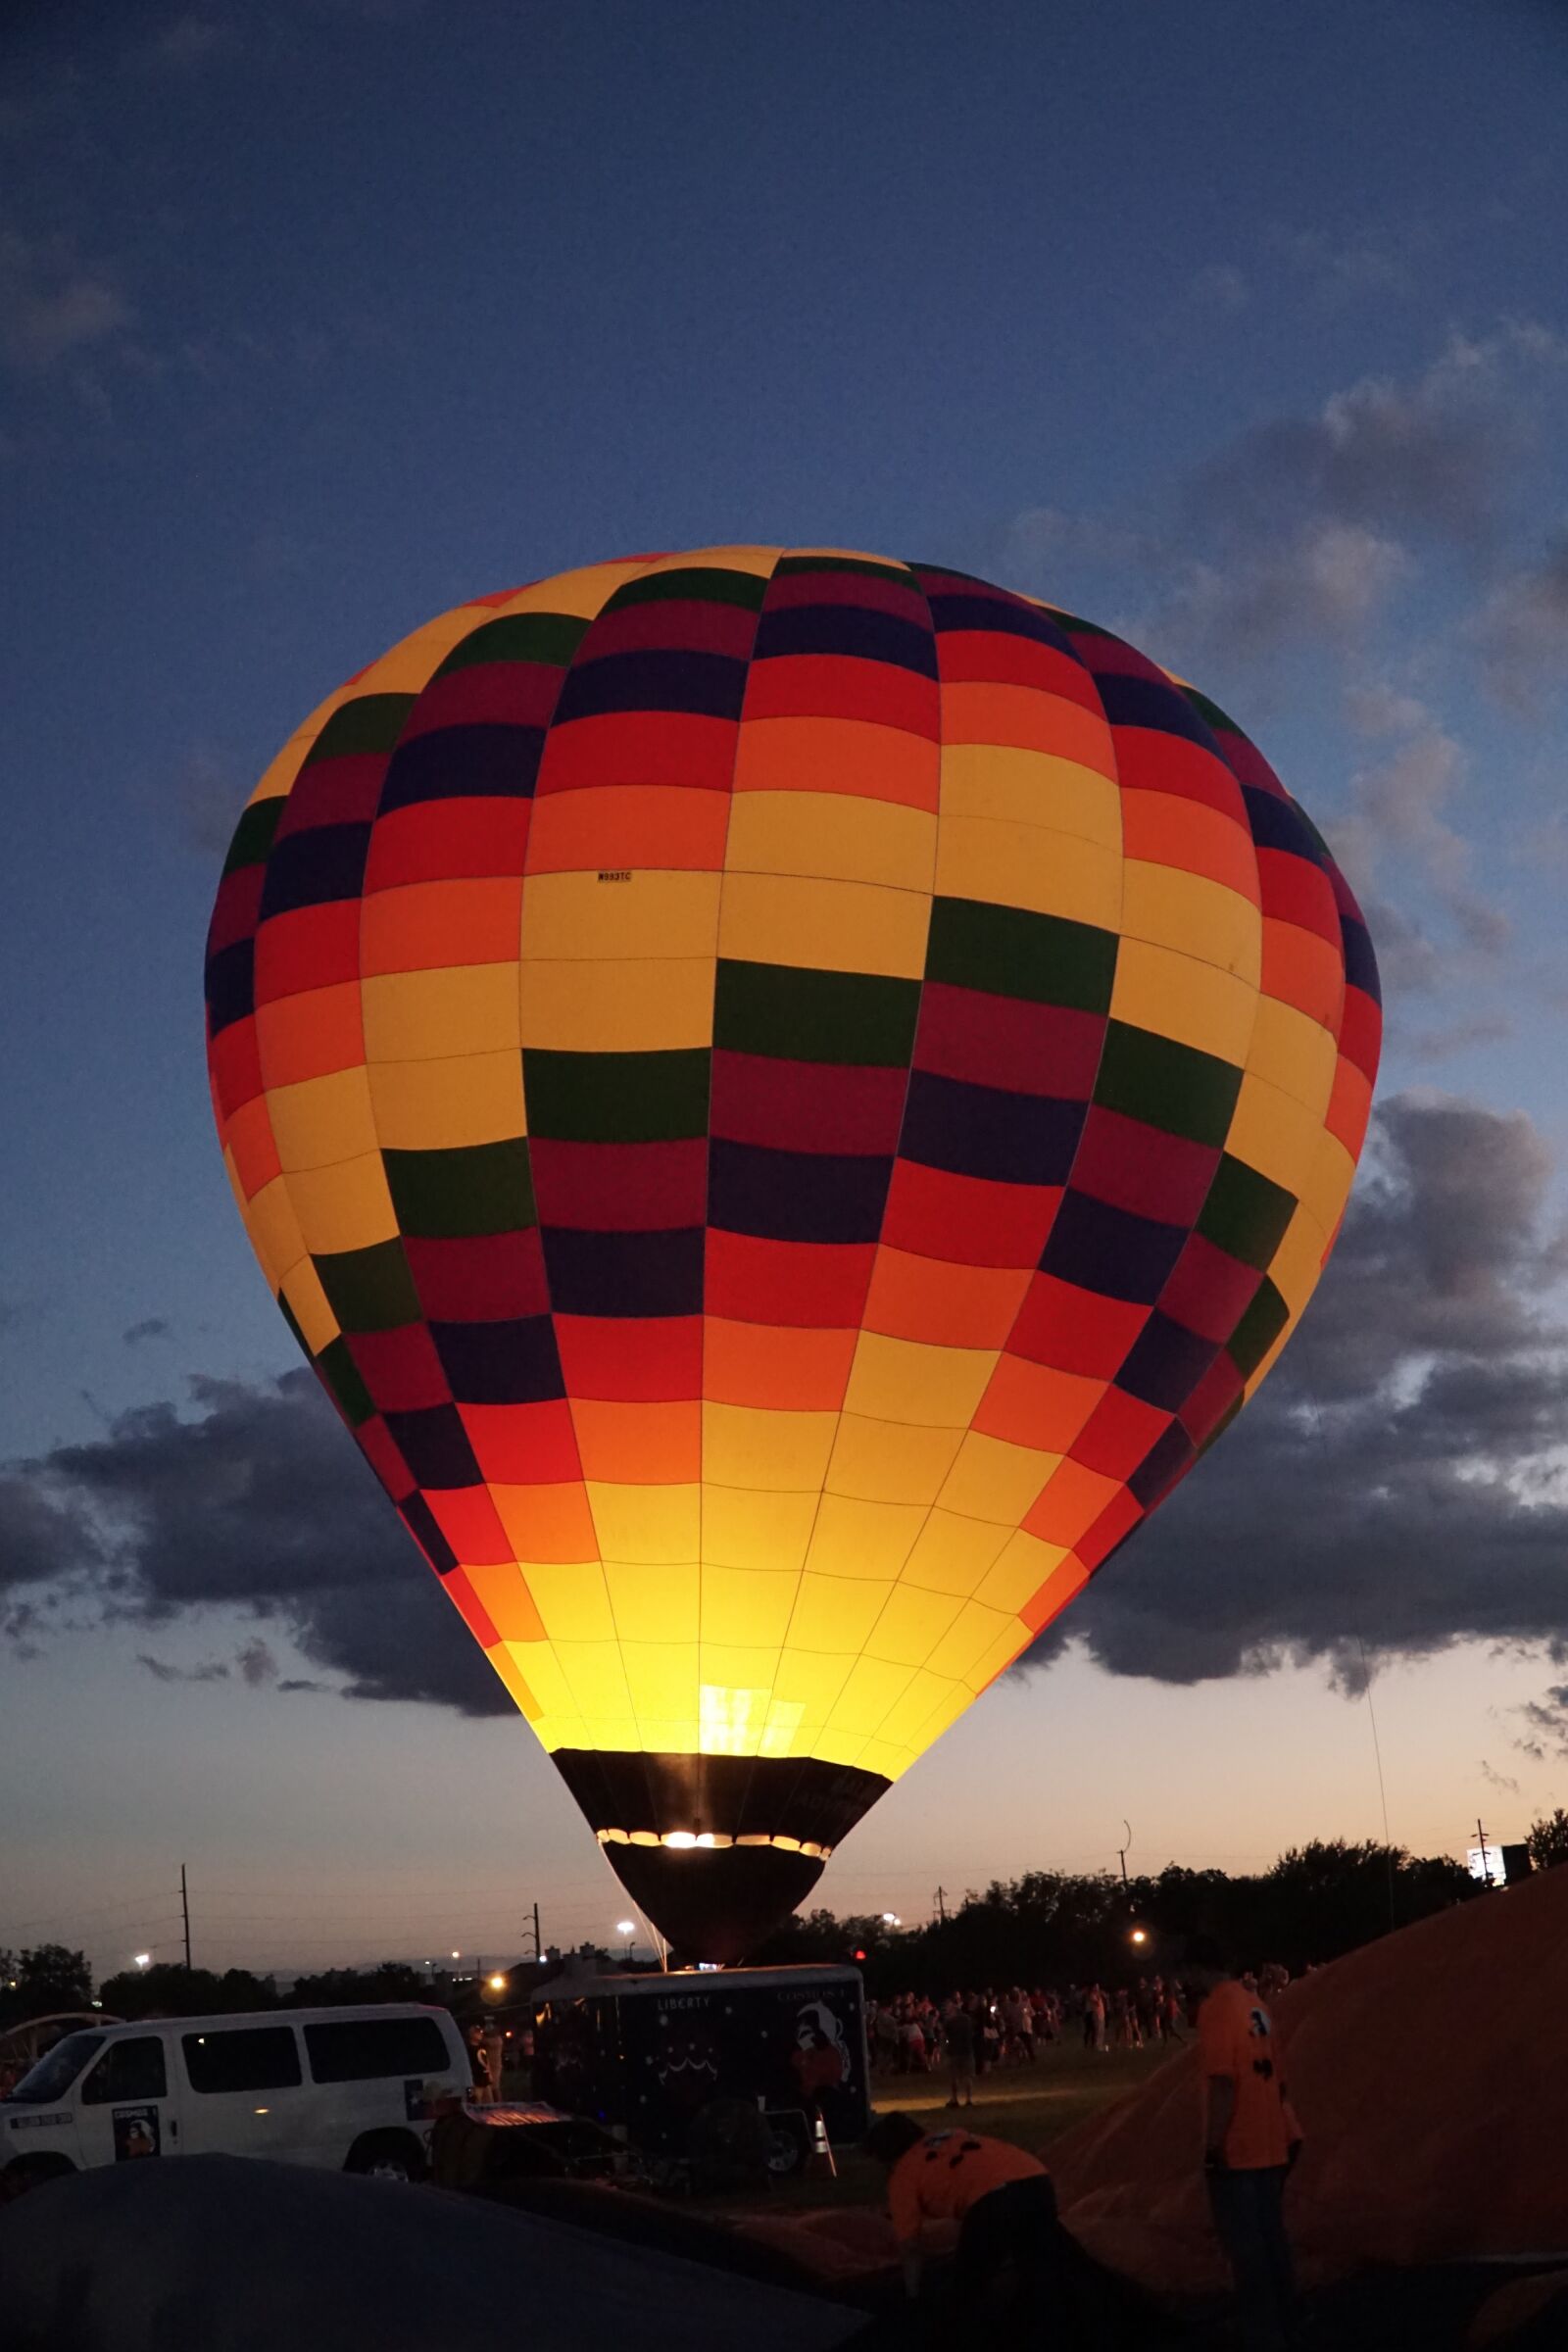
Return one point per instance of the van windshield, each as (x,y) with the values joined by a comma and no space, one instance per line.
(50,2076)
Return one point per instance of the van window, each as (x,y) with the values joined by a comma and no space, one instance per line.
(50,2076)
(247,2058)
(127,2070)
(360,2049)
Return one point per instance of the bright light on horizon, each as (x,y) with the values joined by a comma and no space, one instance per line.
(143,1959)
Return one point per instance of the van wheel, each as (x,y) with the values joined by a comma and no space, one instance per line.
(31,2172)
(387,2156)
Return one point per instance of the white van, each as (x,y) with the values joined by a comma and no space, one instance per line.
(346,2087)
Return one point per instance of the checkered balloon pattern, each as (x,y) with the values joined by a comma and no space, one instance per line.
(788,1097)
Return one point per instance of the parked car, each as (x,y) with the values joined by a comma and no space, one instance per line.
(352,2089)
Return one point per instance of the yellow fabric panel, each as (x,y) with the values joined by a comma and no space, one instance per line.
(766,1531)
(436,1015)
(981,858)
(570,1597)
(306,1301)
(999,1654)
(854,1538)
(274,1229)
(1293,1053)
(322,1121)
(732,1717)
(507,1667)
(835,1613)
(1030,788)
(647,1524)
(871,1688)
(583,593)
(612,1731)
(952,1555)
(740,1667)
(631,1008)
(410,665)
(747,1604)
(658,1603)
(994,1480)
(880,1755)
(833,836)
(943,1715)
(1175,995)
(1192,914)
(441,1106)
(1275,1134)
(912,1382)
(884,1461)
(539,1663)
(752,1447)
(596,1679)
(1298,1262)
(1020,1572)
(661,913)
(1329,1185)
(758,561)
(912,1624)
(278,776)
(343,1207)
(971,1633)
(923,1692)
(823,927)
(812,1680)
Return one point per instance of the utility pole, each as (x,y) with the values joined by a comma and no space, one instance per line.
(1122,1854)
(942,1906)
(538,1947)
(184,1905)
(1481,1839)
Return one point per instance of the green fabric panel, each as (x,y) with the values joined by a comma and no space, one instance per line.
(700,583)
(1245,1214)
(371,722)
(616,1097)
(252,835)
(461,1194)
(370,1289)
(793,1015)
(1211,712)
(1258,1329)
(1167,1084)
(549,637)
(343,1377)
(1009,952)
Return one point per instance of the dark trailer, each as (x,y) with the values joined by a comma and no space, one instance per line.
(648,2053)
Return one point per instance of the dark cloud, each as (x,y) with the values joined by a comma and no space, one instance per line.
(153,1327)
(257,1498)
(162,1671)
(1544,1735)
(1522,632)
(1394,1483)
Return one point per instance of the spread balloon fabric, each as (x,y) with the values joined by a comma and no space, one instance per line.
(787,1095)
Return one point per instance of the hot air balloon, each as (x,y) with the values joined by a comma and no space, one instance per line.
(787,1095)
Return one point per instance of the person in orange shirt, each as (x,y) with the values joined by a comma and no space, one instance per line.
(1001,2197)
(1251,2141)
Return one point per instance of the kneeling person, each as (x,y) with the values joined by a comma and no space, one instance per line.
(1000,2195)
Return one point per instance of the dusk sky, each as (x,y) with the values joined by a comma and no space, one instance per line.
(1243,330)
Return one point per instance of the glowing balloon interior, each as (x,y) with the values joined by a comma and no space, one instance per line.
(787,1097)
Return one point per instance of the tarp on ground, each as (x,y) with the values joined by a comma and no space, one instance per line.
(1427,2069)
(235,2255)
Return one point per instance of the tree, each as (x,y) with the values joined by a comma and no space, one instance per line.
(170,1991)
(1547,1839)
(38,1982)
(340,1988)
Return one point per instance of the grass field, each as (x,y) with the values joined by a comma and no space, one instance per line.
(1031,2106)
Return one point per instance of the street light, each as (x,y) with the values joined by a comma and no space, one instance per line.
(142,1959)
(1140,1936)
(891,1919)
(628,1928)
(497,1982)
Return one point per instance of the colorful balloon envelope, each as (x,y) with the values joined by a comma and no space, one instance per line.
(788,1097)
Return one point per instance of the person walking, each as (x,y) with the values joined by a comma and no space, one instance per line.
(957,2039)
(1251,2140)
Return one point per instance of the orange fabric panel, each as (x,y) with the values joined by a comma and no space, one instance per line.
(1301,969)
(832,755)
(1161,829)
(640,1445)
(1028,721)
(1071,1503)
(646,825)
(1033,1404)
(547,1523)
(952,1306)
(787,1368)
(429,926)
(311,1036)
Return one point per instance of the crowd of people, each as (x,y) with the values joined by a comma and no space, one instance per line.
(969,2034)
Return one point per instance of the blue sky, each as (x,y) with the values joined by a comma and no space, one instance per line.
(1243,329)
